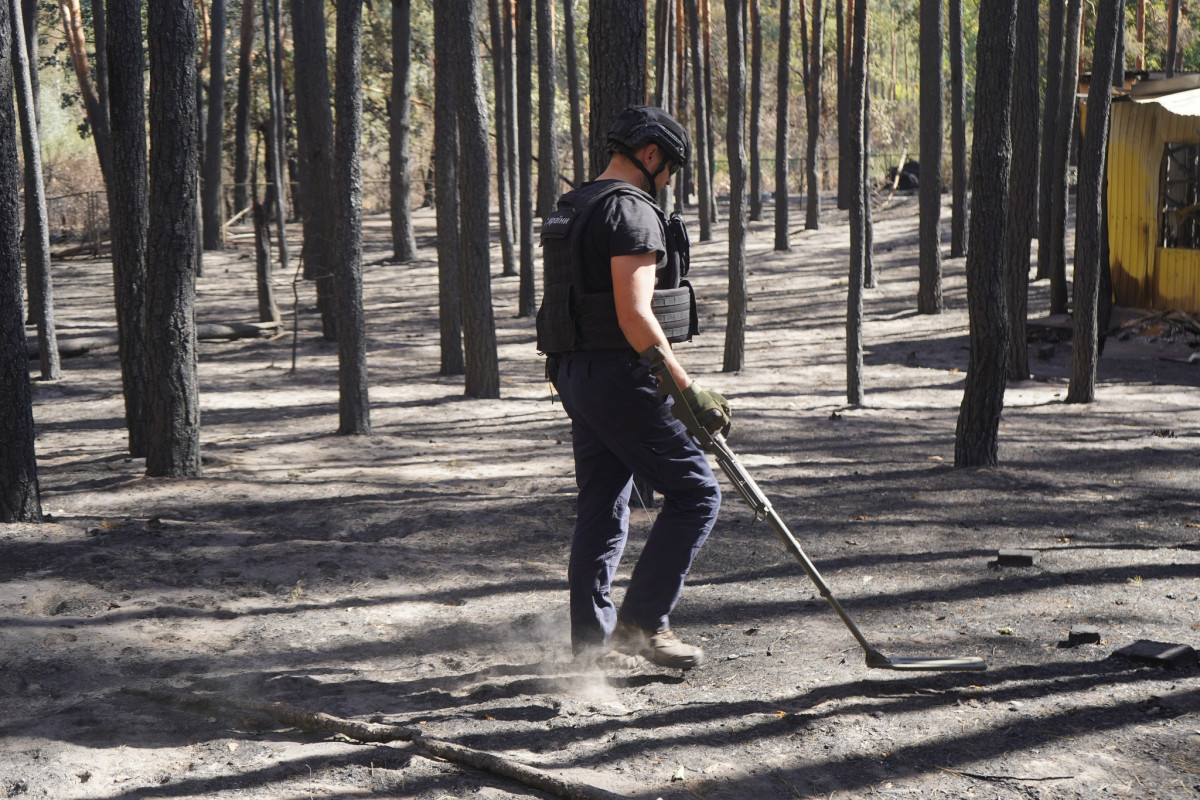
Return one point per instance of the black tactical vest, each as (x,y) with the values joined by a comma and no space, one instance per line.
(570,317)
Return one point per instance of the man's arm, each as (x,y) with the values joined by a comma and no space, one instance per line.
(633,289)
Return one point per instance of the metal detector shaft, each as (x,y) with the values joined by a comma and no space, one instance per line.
(755,498)
(762,508)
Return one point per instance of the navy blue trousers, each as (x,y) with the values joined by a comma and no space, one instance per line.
(621,425)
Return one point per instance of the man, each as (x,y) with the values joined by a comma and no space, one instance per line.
(609,266)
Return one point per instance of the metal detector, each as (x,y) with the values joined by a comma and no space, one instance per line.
(715,443)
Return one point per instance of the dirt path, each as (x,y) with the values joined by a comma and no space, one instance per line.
(417,576)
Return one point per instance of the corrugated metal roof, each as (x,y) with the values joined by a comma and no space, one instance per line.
(1185,103)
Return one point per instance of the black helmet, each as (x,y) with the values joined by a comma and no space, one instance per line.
(637,125)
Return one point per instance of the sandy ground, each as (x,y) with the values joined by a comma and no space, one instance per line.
(417,576)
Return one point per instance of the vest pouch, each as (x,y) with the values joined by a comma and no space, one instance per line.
(675,310)
(679,246)
(556,320)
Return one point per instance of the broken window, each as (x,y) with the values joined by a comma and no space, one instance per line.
(1179,201)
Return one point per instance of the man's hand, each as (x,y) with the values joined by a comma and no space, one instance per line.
(702,411)
(708,408)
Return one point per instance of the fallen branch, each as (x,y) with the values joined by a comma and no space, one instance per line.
(95,248)
(981,777)
(206,331)
(380,733)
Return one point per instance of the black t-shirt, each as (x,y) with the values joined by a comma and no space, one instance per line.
(620,225)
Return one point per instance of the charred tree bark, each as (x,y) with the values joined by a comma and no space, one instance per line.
(129,209)
(856,108)
(29,16)
(501,67)
(664,65)
(214,138)
(445,137)
(262,262)
(1022,187)
(482,371)
(1064,133)
(735,325)
(929,291)
(1089,214)
(354,409)
(404,243)
(37,228)
(869,279)
(1169,63)
(314,148)
(975,440)
(812,102)
(276,139)
(512,135)
(526,292)
(706,32)
(1050,104)
(843,95)
(755,209)
(617,68)
(574,96)
(241,127)
(547,196)
(19,496)
(173,444)
(958,134)
(783,103)
(703,176)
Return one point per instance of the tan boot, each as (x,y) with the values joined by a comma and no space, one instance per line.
(663,648)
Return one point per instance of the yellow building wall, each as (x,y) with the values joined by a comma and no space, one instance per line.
(1145,275)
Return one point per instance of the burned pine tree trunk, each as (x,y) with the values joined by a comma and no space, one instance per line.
(703,175)
(501,69)
(214,138)
(958,134)
(37,228)
(445,137)
(1089,216)
(404,243)
(129,208)
(173,443)
(735,325)
(276,139)
(617,68)
(574,95)
(1023,187)
(755,209)
(241,126)
(19,500)
(929,290)
(314,148)
(526,291)
(354,409)
(975,439)
(1049,137)
(482,370)
(813,94)
(1064,134)
(547,194)
(856,118)
(843,96)
(782,105)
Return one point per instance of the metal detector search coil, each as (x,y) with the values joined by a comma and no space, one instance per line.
(761,506)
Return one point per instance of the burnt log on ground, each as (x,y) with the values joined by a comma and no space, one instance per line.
(71,346)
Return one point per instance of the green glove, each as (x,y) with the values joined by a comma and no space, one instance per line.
(709,408)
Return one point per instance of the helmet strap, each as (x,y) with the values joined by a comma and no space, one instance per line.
(651,177)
